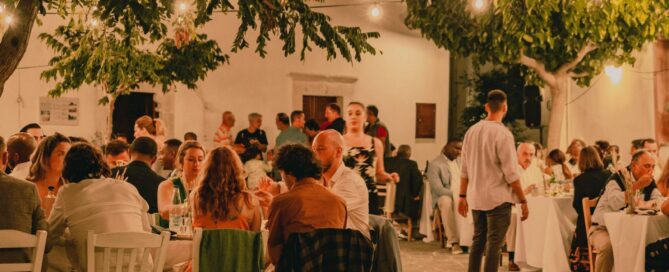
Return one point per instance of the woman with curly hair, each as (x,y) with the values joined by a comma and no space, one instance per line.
(221,199)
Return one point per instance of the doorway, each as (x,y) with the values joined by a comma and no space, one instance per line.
(127,108)
(314,106)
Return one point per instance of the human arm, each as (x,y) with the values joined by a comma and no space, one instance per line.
(381,175)
(435,176)
(165,192)
(665,207)
(518,190)
(463,206)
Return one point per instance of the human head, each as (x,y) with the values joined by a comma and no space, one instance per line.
(222,179)
(144,149)
(190,136)
(282,121)
(121,137)
(603,147)
(636,145)
(145,126)
(116,153)
(589,159)
(311,128)
(614,149)
(328,146)
(496,103)
(169,153)
(332,112)
(190,157)
(255,120)
(49,156)
(19,148)
(525,154)
(575,147)
(650,145)
(452,149)
(643,163)
(404,151)
(35,130)
(296,162)
(251,153)
(84,161)
(297,119)
(556,156)
(356,116)
(228,119)
(372,114)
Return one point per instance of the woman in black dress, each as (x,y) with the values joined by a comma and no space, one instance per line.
(588,184)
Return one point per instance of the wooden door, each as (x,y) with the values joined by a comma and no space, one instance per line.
(426,117)
(314,106)
(127,109)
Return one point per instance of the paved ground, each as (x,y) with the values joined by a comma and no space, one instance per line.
(430,257)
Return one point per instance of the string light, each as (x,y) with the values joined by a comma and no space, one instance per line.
(376,10)
(615,74)
(183,7)
(94,23)
(9,19)
(479,4)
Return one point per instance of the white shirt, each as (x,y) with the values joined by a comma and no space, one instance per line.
(531,175)
(101,205)
(348,185)
(613,200)
(489,162)
(454,168)
(21,170)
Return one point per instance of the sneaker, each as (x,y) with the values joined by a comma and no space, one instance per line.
(513,267)
(456,250)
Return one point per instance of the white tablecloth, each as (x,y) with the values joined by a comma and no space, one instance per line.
(629,236)
(543,240)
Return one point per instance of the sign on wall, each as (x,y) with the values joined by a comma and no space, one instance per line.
(62,111)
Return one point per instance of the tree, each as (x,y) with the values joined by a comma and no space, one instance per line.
(555,40)
(118,44)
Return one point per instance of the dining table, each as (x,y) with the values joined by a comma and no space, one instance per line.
(630,234)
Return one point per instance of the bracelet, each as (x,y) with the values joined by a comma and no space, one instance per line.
(463,195)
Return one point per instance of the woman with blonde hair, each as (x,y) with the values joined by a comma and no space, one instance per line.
(47,165)
(221,199)
(189,163)
(574,151)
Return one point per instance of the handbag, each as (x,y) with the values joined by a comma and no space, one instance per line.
(657,255)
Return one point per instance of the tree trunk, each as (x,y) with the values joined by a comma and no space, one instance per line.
(558,108)
(15,40)
(110,118)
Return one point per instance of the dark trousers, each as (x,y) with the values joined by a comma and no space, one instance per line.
(489,231)
(374,207)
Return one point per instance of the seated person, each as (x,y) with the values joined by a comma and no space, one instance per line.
(407,198)
(307,206)
(138,172)
(189,157)
(20,147)
(556,166)
(19,209)
(91,201)
(221,199)
(116,153)
(614,199)
(166,163)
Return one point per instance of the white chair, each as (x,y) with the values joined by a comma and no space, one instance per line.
(19,239)
(136,244)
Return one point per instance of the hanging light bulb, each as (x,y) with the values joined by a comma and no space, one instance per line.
(376,10)
(615,74)
(183,7)
(9,19)
(479,4)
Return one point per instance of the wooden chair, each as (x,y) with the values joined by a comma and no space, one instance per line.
(438,227)
(136,244)
(18,239)
(587,218)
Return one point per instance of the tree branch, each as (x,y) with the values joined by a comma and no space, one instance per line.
(539,68)
(15,40)
(565,68)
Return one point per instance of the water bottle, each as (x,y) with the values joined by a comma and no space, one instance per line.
(176,211)
(49,200)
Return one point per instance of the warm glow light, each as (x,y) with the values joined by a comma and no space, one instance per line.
(479,4)
(2,8)
(183,7)
(94,23)
(9,19)
(376,11)
(615,74)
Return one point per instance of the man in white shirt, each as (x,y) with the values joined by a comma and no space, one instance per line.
(490,173)
(651,146)
(344,182)
(613,200)
(20,147)
(443,172)
(531,178)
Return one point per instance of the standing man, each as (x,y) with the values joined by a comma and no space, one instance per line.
(35,130)
(252,136)
(19,148)
(443,172)
(378,129)
(490,174)
(333,114)
(293,134)
(223,135)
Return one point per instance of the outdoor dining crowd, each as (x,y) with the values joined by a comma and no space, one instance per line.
(317,182)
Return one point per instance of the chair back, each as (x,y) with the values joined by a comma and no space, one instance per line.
(587,219)
(227,250)
(18,239)
(129,247)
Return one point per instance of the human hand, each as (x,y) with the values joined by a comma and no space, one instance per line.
(463,208)
(529,189)
(525,211)
(644,181)
(394,177)
(264,197)
(268,185)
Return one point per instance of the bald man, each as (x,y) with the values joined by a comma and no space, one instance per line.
(20,147)
(344,182)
